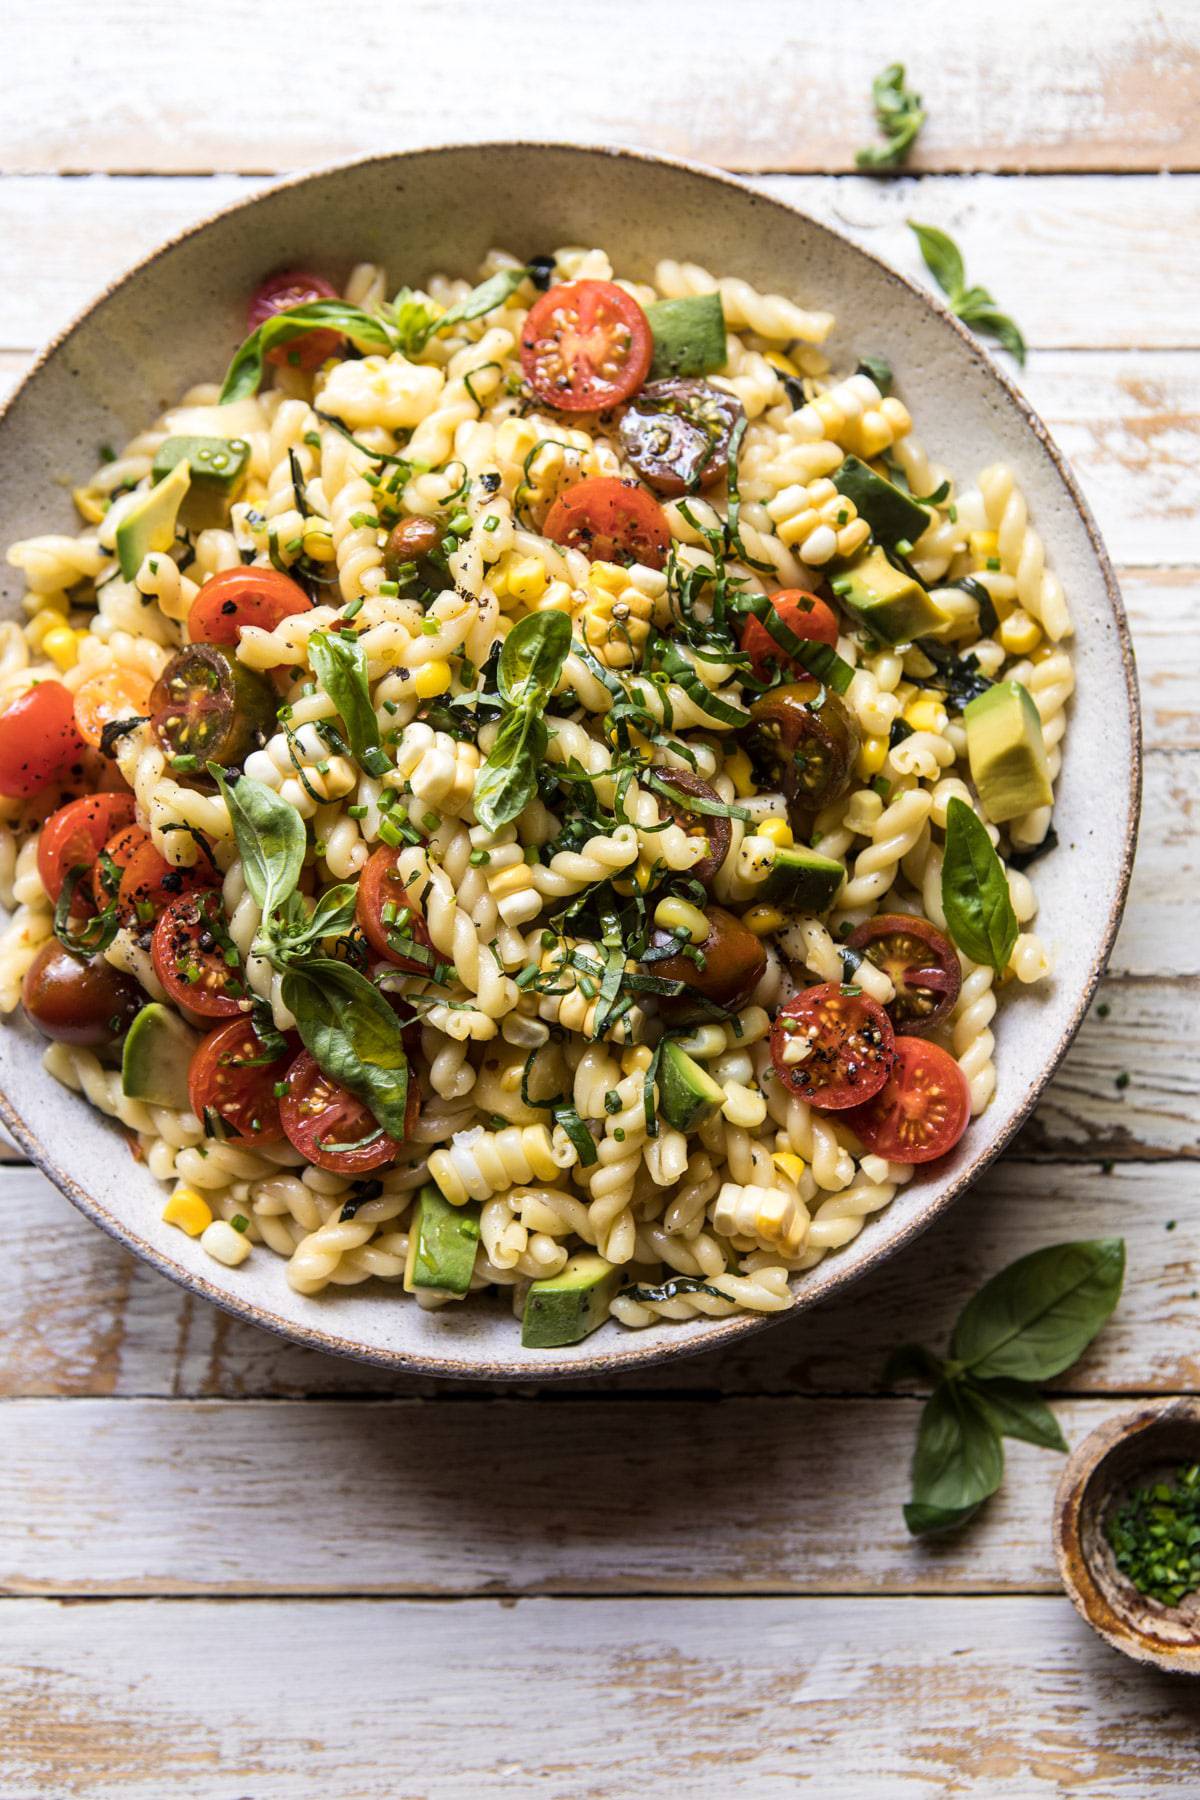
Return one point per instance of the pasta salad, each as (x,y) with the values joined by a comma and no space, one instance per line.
(529,785)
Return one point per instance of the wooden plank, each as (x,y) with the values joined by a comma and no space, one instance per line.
(85,1319)
(1162,922)
(583,1700)
(1164,618)
(1111,87)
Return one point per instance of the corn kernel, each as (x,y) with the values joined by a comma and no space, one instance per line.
(432,680)
(681,915)
(789,1164)
(778,830)
(189,1210)
(225,1244)
(783,363)
(874,434)
(926,714)
(762,920)
(984,547)
(871,756)
(498,581)
(526,579)
(1019,634)
(318,540)
(737,767)
(90,504)
(61,646)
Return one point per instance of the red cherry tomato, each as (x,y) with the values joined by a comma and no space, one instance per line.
(380,889)
(233,1077)
(849,1046)
(805,617)
(610,521)
(145,882)
(279,293)
(331,1126)
(238,597)
(587,345)
(38,740)
(922,1109)
(73,837)
(922,963)
(190,951)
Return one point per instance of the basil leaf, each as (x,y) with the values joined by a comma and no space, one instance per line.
(245,371)
(348,1027)
(297,931)
(973,305)
(879,370)
(1037,1316)
(577,1131)
(986,316)
(975,897)
(415,321)
(532,658)
(507,782)
(1016,1412)
(340,665)
(899,115)
(959,1461)
(942,258)
(96,932)
(270,837)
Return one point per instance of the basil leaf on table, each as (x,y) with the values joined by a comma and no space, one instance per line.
(352,1033)
(942,257)
(959,1461)
(1017,1412)
(1036,1317)
(975,898)
(973,305)
(340,665)
(245,372)
(270,838)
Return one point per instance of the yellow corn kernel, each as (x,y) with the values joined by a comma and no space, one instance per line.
(432,680)
(681,915)
(61,646)
(225,1243)
(926,714)
(783,363)
(762,920)
(317,540)
(984,547)
(737,767)
(1044,652)
(1019,634)
(187,1209)
(90,504)
(871,756)
(639,879)
(498,581)
(778,830)
(610,578)
(874,435)
(526,579)
(789,1164)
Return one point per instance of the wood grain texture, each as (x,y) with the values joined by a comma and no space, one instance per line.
(1110,86)
(582,1700)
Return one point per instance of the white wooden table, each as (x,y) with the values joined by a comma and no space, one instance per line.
(232,1568)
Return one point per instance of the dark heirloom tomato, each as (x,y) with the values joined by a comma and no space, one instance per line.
(380,889)
(237,597)
(232,1076)
(191,951)
(677,432)
(805,616)
(922,963)
(726,968)
(832,1047)
(73,837)
(921,1111)
(586,346)
(714,827)
(78,1000)
(610,521)
(279,293)
(803,737)
(38,740)
(411,541)
(332,1127)
(208,705)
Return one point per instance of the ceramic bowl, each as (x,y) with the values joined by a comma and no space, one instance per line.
(174,319)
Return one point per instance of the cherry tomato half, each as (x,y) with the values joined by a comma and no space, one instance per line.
(208,705)
(102,699)
(233,1077)
(195,958)
(610,521)
(832,1047)
(714,828)
(78,1000)
(805,738)
(279,293)
(73,837)
(726,968)
(332,1127)
(805,617)
(238,597)
(388,915)
(145,882)
(677,433)
(922,963)
(586,346)
(38,740)
(922,1109)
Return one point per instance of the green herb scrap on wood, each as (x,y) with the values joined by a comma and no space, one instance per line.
(899,115)
(973,305)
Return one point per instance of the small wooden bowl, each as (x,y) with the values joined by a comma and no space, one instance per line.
(1117,1457)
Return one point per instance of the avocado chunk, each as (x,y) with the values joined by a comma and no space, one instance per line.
(687,1093)
(893,515)
(689,336)
(214,461)
(1007,752)
(157,1055)
(568,1306)
(442,1241)
(803,878)
(887,601)
(150,522)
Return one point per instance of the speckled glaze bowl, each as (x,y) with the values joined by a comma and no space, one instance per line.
(175,319)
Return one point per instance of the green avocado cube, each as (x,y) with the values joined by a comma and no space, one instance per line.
(1006,749)
(442,1241)
(568,1306)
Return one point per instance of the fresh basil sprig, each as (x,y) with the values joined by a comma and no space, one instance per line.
(413,322)
(270,838)
(1024,1326)
(899,115)
(245,372)
(975,898)
(348,1027)
(530,664)
(340,665)
(973,305)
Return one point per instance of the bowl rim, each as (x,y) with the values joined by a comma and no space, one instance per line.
(643,1350)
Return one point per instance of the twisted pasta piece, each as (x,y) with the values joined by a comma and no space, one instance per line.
(479,1163)
(769,315)
(972,1035)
